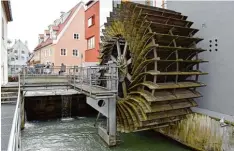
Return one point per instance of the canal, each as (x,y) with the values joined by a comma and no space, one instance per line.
(80,134)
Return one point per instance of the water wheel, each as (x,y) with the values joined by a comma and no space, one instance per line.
(158,65)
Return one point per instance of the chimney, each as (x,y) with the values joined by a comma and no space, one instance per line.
(40,38)
(46,34)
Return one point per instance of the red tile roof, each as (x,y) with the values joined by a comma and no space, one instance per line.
(43,44)
(59,28)
(72,11)
(56,28)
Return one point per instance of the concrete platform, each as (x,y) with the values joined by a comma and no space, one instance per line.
(50,92)
(7,114)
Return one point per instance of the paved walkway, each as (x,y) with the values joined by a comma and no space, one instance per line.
(7,114)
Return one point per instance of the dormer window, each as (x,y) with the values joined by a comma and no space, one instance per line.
(76,36)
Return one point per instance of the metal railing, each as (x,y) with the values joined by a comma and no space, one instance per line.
(45,76)
(102,78)
(14,140)
(14,70)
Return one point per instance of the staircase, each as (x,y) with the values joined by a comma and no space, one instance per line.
(8,97)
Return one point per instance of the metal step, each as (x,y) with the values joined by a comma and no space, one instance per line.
(9,97)
(6,94)
(8,102)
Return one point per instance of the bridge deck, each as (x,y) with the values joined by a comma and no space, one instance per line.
(93,90)
(50,92)
(7,111)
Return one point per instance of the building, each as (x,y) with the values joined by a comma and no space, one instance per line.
(214,20)
(96,14)
(63,41)
(17,56)
(6,16)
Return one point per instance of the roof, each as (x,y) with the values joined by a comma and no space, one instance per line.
(89,2)
(58,28)
(30,57)
(44,43)
(7,6)
(47,32)
(72,11)
(41,35)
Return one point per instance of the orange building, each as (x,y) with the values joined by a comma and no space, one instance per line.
(95,16)
(92,31)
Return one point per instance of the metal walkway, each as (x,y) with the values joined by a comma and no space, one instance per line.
(11,117)
(101,95)
(7,115)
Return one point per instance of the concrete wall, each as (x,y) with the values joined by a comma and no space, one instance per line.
(4,66)
(215,21)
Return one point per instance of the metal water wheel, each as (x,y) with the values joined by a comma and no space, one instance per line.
(158,65)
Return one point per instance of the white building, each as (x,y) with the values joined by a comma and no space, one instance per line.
(6,16)
(18,55)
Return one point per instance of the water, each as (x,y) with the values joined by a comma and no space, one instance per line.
(80,135)
(66,106)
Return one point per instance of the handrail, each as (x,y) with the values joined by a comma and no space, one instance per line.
(13,144)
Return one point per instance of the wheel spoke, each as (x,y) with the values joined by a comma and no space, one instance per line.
(118,48)
(124,88)
(129,61)
(125,49)
(129,77)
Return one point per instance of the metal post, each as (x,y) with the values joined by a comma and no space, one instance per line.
(74,70)
(23,76)
(90,82)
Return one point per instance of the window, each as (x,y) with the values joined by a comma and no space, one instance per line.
(63,52)
(22,57)
(75,52)
(16,51)
(16,58)
(91,21)
(76,36)
(23,52)
(3,29)
(91,43)
(50,52)
(12,59)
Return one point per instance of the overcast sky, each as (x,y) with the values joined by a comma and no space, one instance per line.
(32,17)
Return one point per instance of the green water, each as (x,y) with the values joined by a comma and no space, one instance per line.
(80,135)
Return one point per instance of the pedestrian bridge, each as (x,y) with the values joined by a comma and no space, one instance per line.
(100,91)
